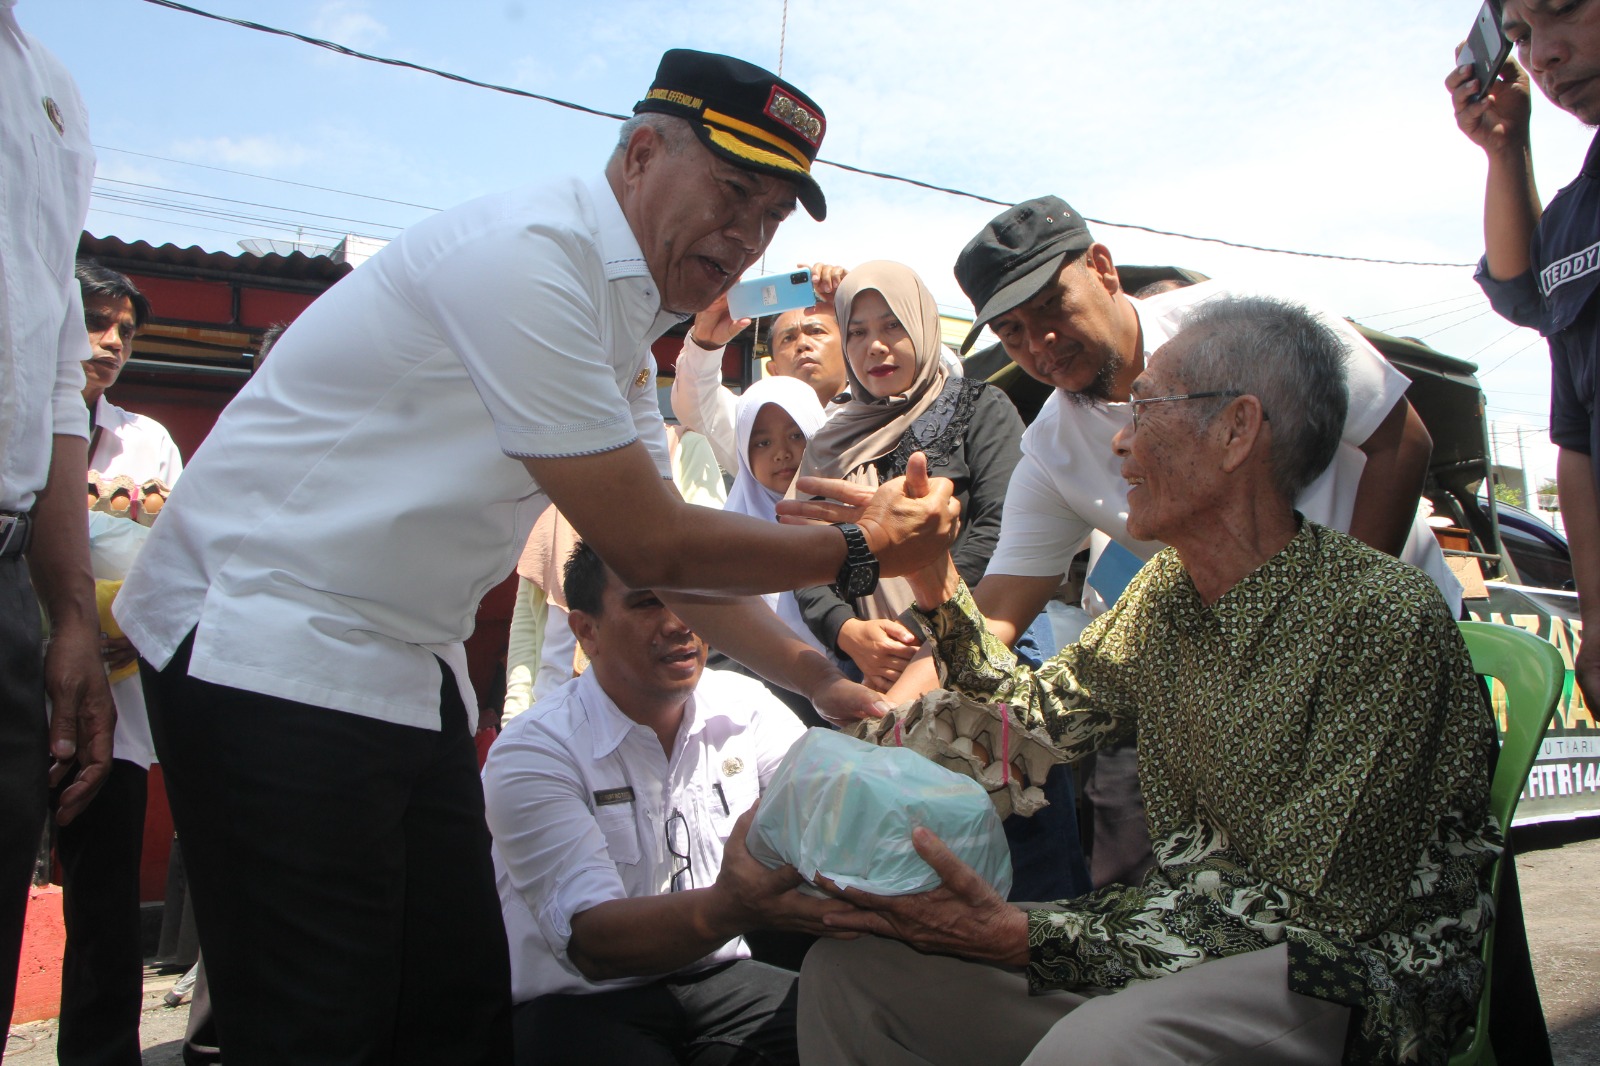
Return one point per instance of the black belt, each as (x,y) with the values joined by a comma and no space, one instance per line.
(15,532)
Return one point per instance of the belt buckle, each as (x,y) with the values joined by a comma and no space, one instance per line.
(9,524)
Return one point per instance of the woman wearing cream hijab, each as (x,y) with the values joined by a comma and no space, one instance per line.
(903,401)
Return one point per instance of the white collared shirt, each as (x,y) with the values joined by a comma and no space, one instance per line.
(141,448)
(1069,482)
(358,497)
(133,444)
(578,796)
(45,175)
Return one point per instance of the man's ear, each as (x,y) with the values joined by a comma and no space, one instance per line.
(643,147)
(1244,427)
(1098,259)
(586,628)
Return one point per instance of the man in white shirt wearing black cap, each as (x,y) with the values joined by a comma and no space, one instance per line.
(302,605)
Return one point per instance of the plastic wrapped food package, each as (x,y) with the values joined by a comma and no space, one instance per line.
(845,809)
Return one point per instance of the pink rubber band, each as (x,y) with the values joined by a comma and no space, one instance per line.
(1005,744)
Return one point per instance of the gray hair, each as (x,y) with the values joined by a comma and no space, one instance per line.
(674,131)
(1280,353)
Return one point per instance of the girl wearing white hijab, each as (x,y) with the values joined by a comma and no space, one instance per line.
(775,421)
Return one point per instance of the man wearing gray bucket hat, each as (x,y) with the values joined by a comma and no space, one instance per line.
(1051,293)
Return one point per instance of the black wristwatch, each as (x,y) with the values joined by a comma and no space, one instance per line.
(859,574)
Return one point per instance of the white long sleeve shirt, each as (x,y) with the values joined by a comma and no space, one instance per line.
(46,166)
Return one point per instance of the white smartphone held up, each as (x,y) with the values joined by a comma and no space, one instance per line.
(771,295)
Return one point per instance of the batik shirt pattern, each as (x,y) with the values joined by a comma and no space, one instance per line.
(1315,756)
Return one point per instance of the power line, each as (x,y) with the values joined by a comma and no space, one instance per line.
(252,203)
(168,221)
(1510,357)
(333,46)
(883,175)
(263,177)
(1426,318)
(1494,342)
(202,211)
(1418,307)
(1458,322)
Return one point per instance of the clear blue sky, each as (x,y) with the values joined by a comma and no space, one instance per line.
(1322,127)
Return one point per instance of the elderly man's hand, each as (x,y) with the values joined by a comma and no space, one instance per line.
(763,898)
(964,916)
(1498,123)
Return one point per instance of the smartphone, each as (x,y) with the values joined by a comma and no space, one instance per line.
(771,295)
(1486,48)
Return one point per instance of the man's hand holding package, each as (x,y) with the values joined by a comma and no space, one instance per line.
(964,916)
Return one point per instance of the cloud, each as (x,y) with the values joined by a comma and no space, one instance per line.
(349,23)
(261,152)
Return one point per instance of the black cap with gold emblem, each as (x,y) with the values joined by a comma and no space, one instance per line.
(747,115)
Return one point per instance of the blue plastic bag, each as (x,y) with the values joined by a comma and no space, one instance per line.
(845,808)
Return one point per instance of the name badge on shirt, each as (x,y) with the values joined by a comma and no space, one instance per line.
(608,796)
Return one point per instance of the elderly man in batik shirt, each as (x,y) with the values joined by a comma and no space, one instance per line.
(1315,756)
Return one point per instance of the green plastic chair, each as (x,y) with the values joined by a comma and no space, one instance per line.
(1532,673)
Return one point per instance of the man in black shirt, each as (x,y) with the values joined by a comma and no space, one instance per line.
(1541,268)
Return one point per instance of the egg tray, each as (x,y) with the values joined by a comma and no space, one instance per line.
(123,497)
(981,741)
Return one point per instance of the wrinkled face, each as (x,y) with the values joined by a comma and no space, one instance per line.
(776,447)
(700,221)
(1065,335)
(878,347)
(642,653)
(1170,462)
(806,345)
(1558,42)
(111,324)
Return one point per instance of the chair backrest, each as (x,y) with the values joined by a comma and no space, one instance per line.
(1532,673)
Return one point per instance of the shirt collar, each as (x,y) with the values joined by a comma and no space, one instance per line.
(619,248)
(106,413)
(609,726)
(1251,606)
(1591,162)
(621,255)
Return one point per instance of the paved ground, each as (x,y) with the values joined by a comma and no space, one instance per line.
(1559,867)
(1560,871)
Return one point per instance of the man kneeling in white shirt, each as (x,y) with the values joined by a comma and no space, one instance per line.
(619,807)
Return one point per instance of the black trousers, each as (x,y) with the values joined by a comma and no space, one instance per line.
(342,884)
(737,1013)
(102,972)
(24,761)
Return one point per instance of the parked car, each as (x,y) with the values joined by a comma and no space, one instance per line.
(1537,549)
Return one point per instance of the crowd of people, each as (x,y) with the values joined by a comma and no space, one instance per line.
(1283,753)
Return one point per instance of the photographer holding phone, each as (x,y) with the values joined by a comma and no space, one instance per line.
(1541,268)
(806,344)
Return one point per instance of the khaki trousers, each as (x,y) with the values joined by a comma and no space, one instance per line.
(877,1002)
